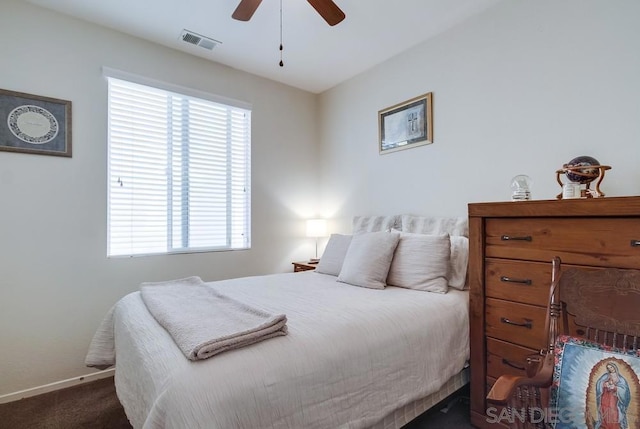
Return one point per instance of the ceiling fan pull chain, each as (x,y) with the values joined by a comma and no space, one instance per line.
(281,63)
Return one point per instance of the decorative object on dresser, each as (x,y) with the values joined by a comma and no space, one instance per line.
(521,187)
(303,266)
(407,124)
(34,124)
(316,228)
(511,246)
(580,172)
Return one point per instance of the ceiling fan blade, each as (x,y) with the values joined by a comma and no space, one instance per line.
(328,10)
(246,9)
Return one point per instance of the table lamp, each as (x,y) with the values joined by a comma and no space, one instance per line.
(316,228)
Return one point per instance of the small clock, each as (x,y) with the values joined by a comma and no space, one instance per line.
(33,124)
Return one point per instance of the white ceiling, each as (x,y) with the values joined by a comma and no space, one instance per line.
(316,56)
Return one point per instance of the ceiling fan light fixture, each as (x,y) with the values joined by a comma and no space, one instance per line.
(327,9)
(245,9)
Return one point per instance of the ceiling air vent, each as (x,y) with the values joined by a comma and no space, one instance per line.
(198,40)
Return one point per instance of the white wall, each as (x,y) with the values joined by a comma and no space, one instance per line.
(520,89)
(56,282)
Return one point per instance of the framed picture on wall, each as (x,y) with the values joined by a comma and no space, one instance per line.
(34,124)
(406,125)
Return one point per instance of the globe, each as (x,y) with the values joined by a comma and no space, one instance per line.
(582,169)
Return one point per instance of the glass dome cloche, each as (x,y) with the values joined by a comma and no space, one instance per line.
(583,170)
(521,188)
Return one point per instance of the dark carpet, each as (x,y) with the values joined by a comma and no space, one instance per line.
(95,406)
(91,405)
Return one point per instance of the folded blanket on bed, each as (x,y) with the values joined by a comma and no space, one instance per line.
(203,322)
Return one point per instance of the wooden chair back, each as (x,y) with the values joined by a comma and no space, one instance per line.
(602,305)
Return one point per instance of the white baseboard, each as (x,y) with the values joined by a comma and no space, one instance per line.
(39,390)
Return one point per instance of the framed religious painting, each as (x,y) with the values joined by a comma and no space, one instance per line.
(34,124)
(406,125)
(594,386)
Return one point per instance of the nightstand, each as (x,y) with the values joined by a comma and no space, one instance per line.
(303,266)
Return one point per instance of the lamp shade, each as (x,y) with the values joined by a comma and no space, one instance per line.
(316,228)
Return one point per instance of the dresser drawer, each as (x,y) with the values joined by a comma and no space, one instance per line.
(603,242)
(526,282)
(521,324)
(506,358)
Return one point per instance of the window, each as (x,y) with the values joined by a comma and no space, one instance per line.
(179,172)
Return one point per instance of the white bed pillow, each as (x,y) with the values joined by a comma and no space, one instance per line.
(458,229)
(459,261)
(368,259)
(333,256)
(421,262)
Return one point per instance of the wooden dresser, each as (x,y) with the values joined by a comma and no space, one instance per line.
(511,245)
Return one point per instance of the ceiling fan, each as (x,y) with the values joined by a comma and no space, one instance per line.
(326,8)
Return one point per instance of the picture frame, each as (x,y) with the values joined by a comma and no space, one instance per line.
(34,124)
(406,125)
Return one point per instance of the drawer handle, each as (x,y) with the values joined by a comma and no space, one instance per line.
(510,280)
(527,324)
(512,365)
(510,238)
(635,243)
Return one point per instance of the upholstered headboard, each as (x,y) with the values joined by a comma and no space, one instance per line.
(376,223)
(456,226)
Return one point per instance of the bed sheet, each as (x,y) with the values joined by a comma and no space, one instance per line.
(352,356)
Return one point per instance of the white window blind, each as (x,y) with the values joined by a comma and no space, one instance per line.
(179,172)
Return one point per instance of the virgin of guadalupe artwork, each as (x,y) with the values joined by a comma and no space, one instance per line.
(613,387)
(612,399)
(595,387)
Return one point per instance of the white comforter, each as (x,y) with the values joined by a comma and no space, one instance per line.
(352,355)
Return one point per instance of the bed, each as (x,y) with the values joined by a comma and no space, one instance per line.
(353,357)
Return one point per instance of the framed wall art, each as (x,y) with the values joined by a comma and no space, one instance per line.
(34,124)
(594,386)
(406,125)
